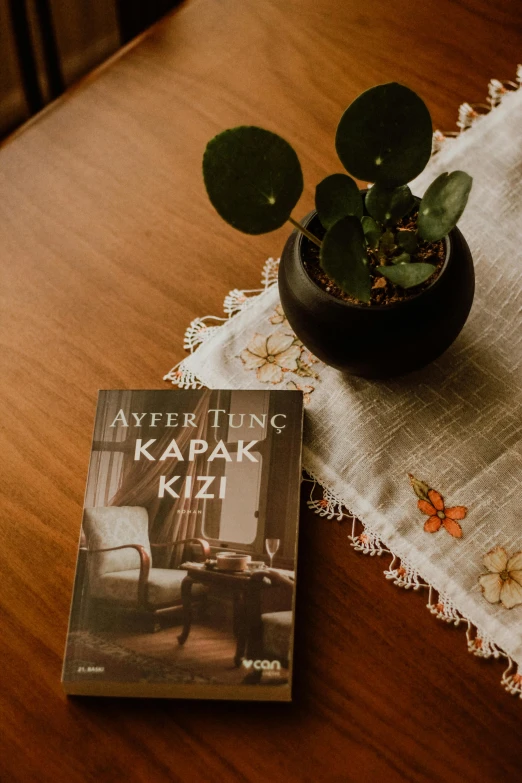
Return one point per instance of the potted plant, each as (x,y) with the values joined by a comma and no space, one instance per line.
(374,281)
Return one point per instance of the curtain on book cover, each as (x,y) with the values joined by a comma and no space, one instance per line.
(170,519)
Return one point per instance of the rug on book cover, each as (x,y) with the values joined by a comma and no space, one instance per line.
(123,664)
(421,458)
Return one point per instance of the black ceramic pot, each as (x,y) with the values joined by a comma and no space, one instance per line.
(382,340)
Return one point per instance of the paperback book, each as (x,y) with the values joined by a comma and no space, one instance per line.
(185,578)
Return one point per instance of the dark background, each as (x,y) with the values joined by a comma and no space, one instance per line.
(47,45)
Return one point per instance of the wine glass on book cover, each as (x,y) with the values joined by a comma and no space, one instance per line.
(272,545)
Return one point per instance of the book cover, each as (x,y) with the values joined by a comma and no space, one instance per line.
(185,578)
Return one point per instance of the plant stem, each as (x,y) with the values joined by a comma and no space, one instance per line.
(304,231)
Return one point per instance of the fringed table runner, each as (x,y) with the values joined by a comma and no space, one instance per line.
(438,450)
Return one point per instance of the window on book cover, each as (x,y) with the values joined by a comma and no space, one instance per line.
(239,517)
(235,521)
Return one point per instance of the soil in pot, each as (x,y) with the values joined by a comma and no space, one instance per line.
(383,290)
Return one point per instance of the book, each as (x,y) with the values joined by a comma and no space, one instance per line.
(185,577)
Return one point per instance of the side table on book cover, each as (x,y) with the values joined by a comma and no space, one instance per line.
(241,585)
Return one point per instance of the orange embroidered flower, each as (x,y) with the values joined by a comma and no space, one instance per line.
(431,503)
(439,515)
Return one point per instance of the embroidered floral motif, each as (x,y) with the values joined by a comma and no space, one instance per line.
(306,359)
(271,356)
(431,503)
(280,352)
(304,369)
(305,362)
(503,583)
(279,317)
(307,390)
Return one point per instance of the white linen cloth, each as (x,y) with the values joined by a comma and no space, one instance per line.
(455,425)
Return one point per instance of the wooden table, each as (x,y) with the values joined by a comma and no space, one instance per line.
(108,248)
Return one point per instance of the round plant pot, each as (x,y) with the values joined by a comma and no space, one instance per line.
(378,341)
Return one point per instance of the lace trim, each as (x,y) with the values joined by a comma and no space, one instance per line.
(202,329)
(470,113)
(400,572)
(403,574)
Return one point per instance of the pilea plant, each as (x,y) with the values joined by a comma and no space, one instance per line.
(254,180)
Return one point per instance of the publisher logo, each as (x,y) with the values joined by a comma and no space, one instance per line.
(268,668)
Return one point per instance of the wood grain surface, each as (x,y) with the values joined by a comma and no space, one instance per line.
(108,249)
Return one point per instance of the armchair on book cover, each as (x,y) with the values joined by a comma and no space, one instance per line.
(269,634)
(120,569)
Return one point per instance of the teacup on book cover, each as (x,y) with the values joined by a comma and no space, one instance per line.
(185,580)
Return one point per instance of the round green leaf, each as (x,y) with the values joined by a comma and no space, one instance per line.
(385,135)
(387,242)
(443,204)
(387,205)
(407,275)
(372,232)
(404,258)
(253,178)
(407,240)
(344,258)
(336,197)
